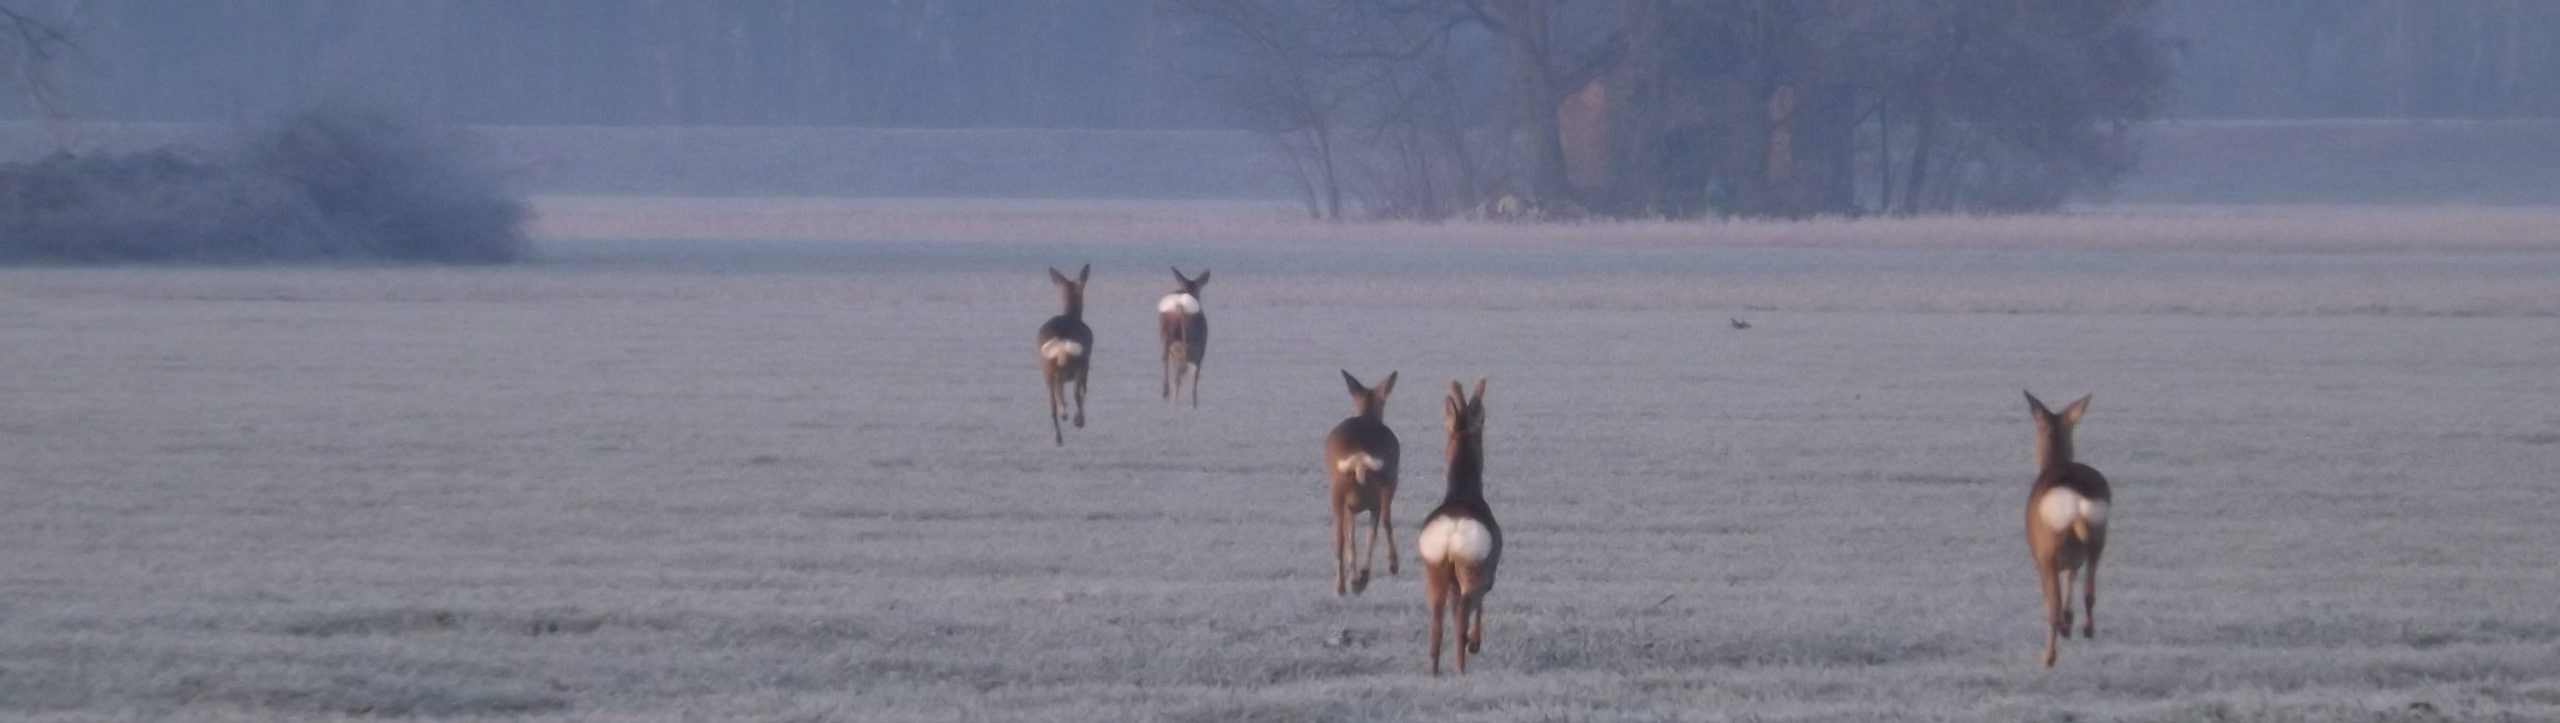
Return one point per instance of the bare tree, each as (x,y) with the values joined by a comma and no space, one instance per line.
(2010,104)
(1530,54)
(1757,107)
(1286,87)
(34,49)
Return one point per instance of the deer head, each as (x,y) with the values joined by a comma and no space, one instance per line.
(1464,417)
(1369,402)
(1191,285)
(1071,291)
(2053,431)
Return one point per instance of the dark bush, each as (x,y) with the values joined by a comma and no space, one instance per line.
(331,183)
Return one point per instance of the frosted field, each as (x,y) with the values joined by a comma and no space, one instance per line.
(810,480)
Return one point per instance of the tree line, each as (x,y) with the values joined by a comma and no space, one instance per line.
(1415,108)
(1069,63)
(1683,107)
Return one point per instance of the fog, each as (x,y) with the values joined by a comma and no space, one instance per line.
(1037,71)
(1054,64)
(657,360)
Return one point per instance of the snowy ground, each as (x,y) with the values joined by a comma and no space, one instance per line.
(809,480)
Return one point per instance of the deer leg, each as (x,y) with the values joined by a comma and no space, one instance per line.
(1082,373)
(2070,578)
(1195,385)
(1369,558)
(1460,648)
(1475,624)
(2089,601)
(1341,555)
(1386,506)
(2052,611)
(1049,375)
(1167,368)
(1435,587)
(1470,609)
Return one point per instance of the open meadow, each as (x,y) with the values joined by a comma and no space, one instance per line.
(789,463)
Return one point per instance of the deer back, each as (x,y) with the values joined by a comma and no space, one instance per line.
(1180,318)
(1362,446)
(1357,437)
(1065,340)
(1464,502)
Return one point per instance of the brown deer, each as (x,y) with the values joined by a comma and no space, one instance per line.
(1360,462)
(1186,335)
(2066,522)
(1460,543)
(1066,350)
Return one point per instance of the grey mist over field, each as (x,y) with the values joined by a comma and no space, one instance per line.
(580,360)
(1405,109)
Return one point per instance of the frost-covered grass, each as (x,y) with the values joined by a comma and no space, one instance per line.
(810,481)
(2214,229)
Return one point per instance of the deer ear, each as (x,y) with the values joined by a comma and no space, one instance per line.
(1203,280)
(1084,273)
(1177,275)
(1057,278)
(1479,397)
(2035,407)
(2071,413)
(1387,387)
(1354,384)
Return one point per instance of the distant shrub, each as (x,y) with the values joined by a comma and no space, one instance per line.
(327,183)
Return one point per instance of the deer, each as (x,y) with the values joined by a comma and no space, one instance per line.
(1360,465)
(2066,522)
(1066,351)
(1460,542)
(1185,331)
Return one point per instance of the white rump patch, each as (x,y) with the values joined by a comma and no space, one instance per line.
(2095,511)
(1361,459)
(1445,538)
(1184,303)
(2061,507)
(1060,349)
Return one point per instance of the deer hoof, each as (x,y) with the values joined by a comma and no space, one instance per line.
(1079,421)
(1360,582)
(2089,631)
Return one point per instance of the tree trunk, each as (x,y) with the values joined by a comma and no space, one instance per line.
(1884,157)
(1922,145)
(1636,137)
(1332,179)
(1523,26)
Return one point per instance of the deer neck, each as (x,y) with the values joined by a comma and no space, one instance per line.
(2054,450)
(1466,471)
(1075,306)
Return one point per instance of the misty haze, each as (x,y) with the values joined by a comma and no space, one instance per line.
(911,360)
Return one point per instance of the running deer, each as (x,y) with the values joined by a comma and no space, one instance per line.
(2066,522)
(1360,462)
(1460,542)
(1066,351)
(1186,335)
